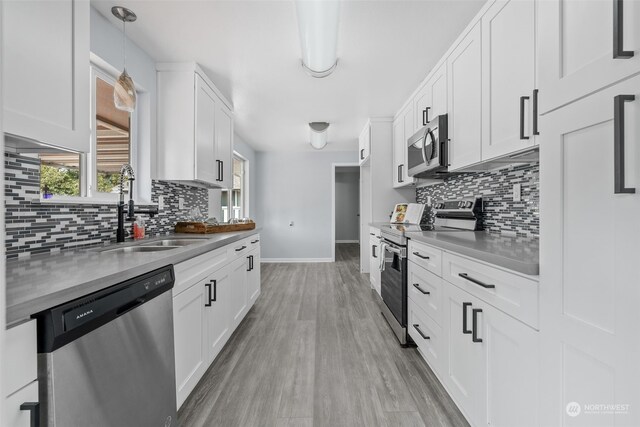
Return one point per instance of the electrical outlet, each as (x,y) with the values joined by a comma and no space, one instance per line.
(517,191)
(180,203)
(160,202)
(290,223)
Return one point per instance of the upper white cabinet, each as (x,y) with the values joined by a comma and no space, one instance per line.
(431,99)
(364,144)
(464,68)
(585,46)
(403,128)
(195,127)
(46,71)
(508,74)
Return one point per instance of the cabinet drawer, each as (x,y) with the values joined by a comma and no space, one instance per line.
(16,417)
(425,289)
(21,365)
(426,256)
(509,292)
(254,242)
(426,334)
(195,269)
(239,248)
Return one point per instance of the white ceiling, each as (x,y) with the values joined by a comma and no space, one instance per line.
(251,50)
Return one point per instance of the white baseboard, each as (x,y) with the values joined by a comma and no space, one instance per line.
(288,260)
(347,241)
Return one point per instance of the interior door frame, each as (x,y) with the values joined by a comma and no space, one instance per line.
(334,166)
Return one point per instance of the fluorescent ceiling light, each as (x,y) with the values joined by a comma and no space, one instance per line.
(319,134)
(318,26)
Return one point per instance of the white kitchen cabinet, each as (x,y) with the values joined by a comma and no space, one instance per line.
(238,294)
(46,71)
(508,78)
(426,290)
(364,144)
(431,99)
(20,373)
(14,415)
(253,276)
(589,256)
(374,260)
(218,294)
(576,47)
(224,145)
(403,128)
(464,70)
(489,355)
(195,127)
(191,340)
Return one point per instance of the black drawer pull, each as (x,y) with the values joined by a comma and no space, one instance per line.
(373,234)
(420,256)
(476,281)
(241,248)
(255,241)
(618,144)
(535,112)
(249,263)
(522,100)
(373,251)
(362,154)
(465,305)
(618,32)
(417,328)
(34,409)
(474,325)
(425,116)
(417,286)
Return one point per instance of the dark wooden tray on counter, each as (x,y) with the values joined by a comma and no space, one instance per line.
(204,228)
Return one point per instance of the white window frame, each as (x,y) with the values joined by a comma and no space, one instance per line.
(245,190)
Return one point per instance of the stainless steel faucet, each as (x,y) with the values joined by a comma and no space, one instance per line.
(127,171)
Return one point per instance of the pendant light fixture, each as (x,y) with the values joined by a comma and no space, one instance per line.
(318,26)
(124,92)
(319,134)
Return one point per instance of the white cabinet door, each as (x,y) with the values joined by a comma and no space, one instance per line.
(374,264)
(238,283)
(224,146)
(206,170)
(218,289)
(190,335)
(576,47)
(589,255)
(465,359)
(431,100)
(253,279)
(403,128)
(16,417)
(464,68)
(364,144)
(46,71)
(508,67)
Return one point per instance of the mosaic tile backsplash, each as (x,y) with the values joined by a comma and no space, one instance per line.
(33,227)
(501,212)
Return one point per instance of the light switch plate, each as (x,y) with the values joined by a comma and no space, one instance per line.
(517,191)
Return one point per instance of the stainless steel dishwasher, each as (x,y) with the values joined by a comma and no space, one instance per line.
(107,359)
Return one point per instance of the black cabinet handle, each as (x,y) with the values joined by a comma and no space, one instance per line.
(535,112)
(241,248)
(221,170)
(474,324)
(417,286)
(522,100)
(618,144)
(618,32)
(373,250)
(400,173)
(255,241)
(34,409)
(362,154)
(249,263)
(417,328)
(420,256)
(465,305)
(425,116)
(215,290)
(209,299)
(373,234)
(476,281)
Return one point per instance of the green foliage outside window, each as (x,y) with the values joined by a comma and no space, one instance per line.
(59,180)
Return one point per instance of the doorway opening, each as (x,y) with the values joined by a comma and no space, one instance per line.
(346,212)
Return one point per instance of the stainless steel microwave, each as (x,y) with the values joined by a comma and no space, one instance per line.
(428,150)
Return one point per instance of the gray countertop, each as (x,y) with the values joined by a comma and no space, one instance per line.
(514,253)
(43,281)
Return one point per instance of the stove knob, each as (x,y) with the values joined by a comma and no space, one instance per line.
(460,204)
(469,204)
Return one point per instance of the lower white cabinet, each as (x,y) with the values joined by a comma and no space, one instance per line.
(374,262)
(20,372)
(490,355)
(17,413)
(207,310)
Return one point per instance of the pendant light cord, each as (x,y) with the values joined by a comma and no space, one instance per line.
(124,47)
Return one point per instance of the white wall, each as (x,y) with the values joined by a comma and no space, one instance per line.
(296,186)
(106,44)
(347,204)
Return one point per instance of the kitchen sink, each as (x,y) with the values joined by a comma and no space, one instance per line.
(140,248)
(173,242)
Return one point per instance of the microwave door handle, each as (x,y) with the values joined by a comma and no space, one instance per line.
(427,156)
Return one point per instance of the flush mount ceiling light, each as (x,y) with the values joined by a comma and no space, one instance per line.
(124,92)
(319,134)
(318,26)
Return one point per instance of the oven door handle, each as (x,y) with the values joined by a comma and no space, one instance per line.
(427,157)
(392,249)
